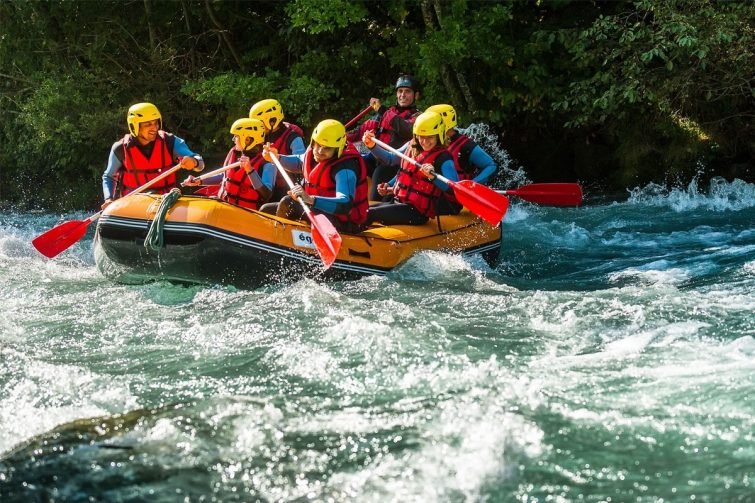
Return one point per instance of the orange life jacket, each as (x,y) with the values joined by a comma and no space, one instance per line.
(414,188)
(320,180)
(138,169)
(236,187)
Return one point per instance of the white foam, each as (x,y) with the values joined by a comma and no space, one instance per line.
(722,196)
(647,275)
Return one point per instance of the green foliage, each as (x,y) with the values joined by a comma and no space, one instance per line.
(318,16)
(625,91)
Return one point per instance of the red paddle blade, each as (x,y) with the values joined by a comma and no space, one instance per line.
(482,201)
(326,238)
(207,190)
(60,237)
(553,194)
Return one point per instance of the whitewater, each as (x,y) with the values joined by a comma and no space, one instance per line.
(609,356)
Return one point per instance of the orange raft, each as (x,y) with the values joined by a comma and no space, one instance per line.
(209,241)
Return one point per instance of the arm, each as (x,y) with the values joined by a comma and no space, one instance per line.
(484,163)
(213,180)
(447,169)
(292,163)
(263,185)
(180,149)
(297,146)
(346,183)
(110,176)
(269,174)
(386,157)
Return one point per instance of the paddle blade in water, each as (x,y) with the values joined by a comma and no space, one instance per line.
(482,201)
(326,237)
(551,194)
(60,237)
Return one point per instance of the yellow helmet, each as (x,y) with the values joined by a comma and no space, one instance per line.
(268,111)
(249,128)
(142,112)
(430,123)
(330,133)
(447,112)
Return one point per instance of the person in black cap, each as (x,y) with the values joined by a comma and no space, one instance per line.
(392,125)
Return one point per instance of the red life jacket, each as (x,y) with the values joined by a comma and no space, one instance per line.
(281,140)
(236,187)
(385,131)
(320,180)
(454,148)
(138,169)
(414,188)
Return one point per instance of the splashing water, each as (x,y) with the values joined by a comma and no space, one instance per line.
(609,356)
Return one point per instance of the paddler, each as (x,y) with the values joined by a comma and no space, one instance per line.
(286,137)
(250,184)
(334,179)
(415,191)
(143,154)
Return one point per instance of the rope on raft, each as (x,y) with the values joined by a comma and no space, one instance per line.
(154,240)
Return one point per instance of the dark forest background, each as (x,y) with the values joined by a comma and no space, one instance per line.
(612,94)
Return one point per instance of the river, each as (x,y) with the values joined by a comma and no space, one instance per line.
(610,356)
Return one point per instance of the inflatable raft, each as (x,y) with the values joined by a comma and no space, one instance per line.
(209,241)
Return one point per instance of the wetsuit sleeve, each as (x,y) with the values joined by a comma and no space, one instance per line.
(180,149)
(346,184)
(292,163)
(214,180)
(263,190)
(447,169)
(110,176)
(386,157)
(485,164)
(297,146)
(269,174)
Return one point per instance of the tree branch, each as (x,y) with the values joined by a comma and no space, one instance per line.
(224,34)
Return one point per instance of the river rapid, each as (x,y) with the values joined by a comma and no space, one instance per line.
(610,356)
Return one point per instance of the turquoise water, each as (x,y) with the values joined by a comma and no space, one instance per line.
(609,357)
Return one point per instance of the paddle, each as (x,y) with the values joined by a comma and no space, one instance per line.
(325,236)
(61,237)
(479,199)
(553,194)
(214,172)
(359,116)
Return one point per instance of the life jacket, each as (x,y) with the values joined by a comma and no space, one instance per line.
(236,187)
(281,140)
(414,188)
(464,168)
(320,180)
(460,148)
(138,169)
(385,131)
